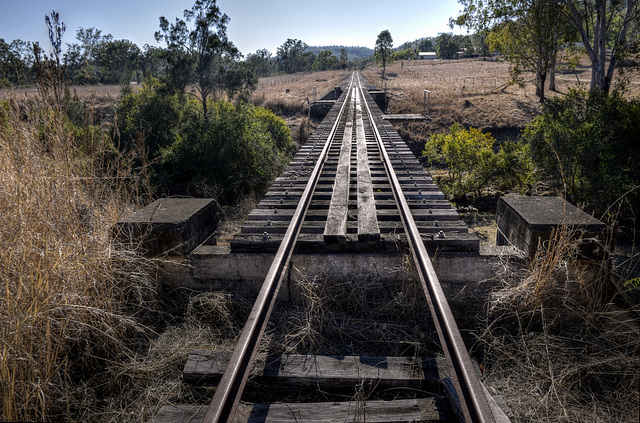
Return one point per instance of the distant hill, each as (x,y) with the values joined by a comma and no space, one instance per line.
(353,53)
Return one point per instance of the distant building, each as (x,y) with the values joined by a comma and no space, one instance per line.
(426,55)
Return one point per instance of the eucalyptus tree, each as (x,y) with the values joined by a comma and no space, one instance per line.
(599,21)
(383,50)
(596,22)
(198,52)
(291,56)
(528,33)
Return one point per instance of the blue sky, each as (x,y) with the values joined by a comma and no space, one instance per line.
(254,24)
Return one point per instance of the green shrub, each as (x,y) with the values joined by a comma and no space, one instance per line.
(237,150)
(590,143)
(150,115)
(472,163)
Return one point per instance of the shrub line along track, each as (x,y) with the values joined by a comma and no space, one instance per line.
(354,120)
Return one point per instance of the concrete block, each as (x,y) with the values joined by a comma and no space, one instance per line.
(525,221)
(170,226)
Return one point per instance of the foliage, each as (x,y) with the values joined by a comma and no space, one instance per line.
(528,33)
(200,55)
(16,59)
(539,27)
(148,116)
(119,60)
(353,53)
(472,163)
(590,143)
(293,56)
(239,150)
(325,60)
(419,45)
(262,62)
(600,22)
(384,50)
(448,45)
(406,54)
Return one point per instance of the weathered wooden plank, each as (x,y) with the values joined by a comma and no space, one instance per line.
(271,203)
(317,227)
(382,214)
(336,226)
(325,372)
(314,243)
(398,411)
(368,230)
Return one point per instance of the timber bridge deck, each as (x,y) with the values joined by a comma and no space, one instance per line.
(354,189)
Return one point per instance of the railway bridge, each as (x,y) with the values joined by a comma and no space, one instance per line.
(353,203)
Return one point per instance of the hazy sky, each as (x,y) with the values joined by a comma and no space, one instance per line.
(254,24)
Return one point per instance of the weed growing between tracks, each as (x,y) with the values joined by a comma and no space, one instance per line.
(557,345)
(355,317)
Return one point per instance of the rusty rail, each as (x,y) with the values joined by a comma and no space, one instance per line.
(472,398)
(225,401)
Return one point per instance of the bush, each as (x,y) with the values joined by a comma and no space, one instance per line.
(148,115)
(238,149)
(472,163)
(589,142)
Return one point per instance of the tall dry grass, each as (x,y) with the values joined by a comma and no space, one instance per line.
(558,344)
(72,300)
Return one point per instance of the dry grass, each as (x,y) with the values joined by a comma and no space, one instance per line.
(150,380)
(473,92)
(557,346)
(355,317)
(72,299)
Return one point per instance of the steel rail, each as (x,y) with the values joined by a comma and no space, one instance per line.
(473,400)
(225,401)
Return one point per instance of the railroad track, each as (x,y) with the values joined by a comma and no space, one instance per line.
(353,187)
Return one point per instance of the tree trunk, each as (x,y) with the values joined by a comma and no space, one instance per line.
(542,77)
(552,72)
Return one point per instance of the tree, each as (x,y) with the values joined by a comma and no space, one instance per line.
(447,45)
(200,54)
(530,40)
(118,59)
(426,44)
(479,42)
(325,60)
(152,62)
(290,56)
(528,33)
(598,21)
(384,50)
(16,59)
(588,142)
(262,62)
(344,58)
(90,41)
